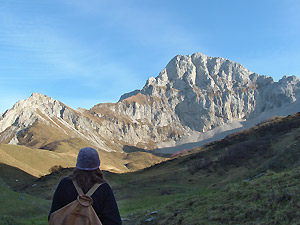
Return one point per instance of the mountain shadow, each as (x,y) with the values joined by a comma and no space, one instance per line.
(13,177)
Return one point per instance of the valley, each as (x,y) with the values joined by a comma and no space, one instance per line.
(248,177)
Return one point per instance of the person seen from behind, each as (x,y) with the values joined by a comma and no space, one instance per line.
(86,175)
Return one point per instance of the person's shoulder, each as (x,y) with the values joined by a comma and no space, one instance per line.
(64,184)
(105,187)
(65,181)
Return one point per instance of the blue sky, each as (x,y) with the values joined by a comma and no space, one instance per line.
(88,52)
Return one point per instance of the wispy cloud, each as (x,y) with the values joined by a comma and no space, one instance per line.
(143,23)
(42,44)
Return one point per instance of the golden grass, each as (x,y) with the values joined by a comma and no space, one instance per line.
(36,162)
(40,134)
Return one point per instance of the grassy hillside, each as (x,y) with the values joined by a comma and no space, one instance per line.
(36,162)
(271,199)
(219,183)
(19,208)
(251,177)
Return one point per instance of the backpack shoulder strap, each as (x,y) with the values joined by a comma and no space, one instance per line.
(90,192)
(93,189)
(78,189)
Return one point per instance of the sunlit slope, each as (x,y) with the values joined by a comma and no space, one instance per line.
(36,162)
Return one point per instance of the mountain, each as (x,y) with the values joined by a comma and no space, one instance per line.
(193,95)
(40,110)
(196,97)
(40,122)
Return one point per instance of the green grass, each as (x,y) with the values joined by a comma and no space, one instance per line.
(271,199)
(38,221)
(16,207)
(150,202)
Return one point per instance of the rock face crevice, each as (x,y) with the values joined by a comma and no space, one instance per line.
(192,95)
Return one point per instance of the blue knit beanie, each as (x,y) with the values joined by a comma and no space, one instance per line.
(88,159)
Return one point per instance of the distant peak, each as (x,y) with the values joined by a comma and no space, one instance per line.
(35,101)
(198,54)
(129,94)
(37,95)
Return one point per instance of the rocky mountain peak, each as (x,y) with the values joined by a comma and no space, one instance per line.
(36,101)
(200,71)
(207,92)
(26,112)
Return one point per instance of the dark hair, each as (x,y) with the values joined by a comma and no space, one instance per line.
(87,178)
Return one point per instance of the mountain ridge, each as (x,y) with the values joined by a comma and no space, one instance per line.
(192,95)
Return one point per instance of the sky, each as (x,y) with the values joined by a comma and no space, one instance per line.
(83,53)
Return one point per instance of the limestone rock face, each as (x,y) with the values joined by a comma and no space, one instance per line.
(200,92)
(192,95)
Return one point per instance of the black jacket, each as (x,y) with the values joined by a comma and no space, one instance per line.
(104,202)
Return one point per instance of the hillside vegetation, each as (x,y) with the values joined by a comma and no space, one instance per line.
(250,177)
(20,208)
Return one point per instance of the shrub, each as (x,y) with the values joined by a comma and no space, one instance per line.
(55,169)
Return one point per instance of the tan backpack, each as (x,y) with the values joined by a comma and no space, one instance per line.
(78,212)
